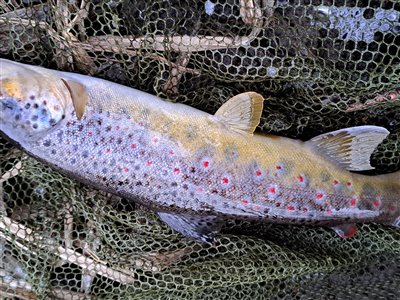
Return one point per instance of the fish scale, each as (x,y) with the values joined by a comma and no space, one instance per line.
(191,167)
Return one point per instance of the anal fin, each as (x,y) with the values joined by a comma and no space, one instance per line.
(200,228)
(345,230)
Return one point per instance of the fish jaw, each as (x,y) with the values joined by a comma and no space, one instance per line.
(31,103)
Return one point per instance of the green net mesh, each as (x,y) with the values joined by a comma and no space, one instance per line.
(321,65)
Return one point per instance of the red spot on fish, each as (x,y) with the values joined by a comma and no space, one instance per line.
(108,150)
(257,207)
(155,140)
(89,133)
(272,190)
(205,164)
(392,208)
(348,184)
(353,202)
(117,127)
(305,209)
(376,203)
(290,208)
(149,163)
(199,190)
(277,204)
(133,146)
(125,169)
(278,167)
(329,212)
(245,202)
(300,179)
(319,196)
(225,180)
(258,173)
(335,182)
(141,124)
(158,187)
(177,171)
(171,152)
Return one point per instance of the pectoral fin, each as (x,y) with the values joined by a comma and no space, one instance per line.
(350,147)
(242,112)
(201,228)
(79,96)
(345,230)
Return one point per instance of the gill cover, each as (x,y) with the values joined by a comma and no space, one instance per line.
(34,100)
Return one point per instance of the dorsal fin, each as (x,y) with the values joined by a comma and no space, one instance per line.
(242,112)
(350,147)
(79,96)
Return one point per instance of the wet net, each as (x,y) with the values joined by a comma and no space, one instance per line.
(321,65)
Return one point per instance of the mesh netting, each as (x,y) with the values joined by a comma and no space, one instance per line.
(321,65)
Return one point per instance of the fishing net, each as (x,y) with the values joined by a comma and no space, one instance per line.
(321,65)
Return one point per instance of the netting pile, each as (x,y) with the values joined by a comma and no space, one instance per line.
(321,65)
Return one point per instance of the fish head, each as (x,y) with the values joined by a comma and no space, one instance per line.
(33,100)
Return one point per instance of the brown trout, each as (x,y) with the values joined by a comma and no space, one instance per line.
(195,169)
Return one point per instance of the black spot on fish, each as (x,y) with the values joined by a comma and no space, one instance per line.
(73,161)
(368,190)
(75,147)
(104,170)
(138,183)
(53,151)
(174,184)
(35,126)
(85,154)
(44,111)
(44,102)
(28,105)
(32,97)
(108,128)
(35,117)
(52,122)
(47,143)
(35,105)
(80,127)
(325,177)
(17,117)
(63,117)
